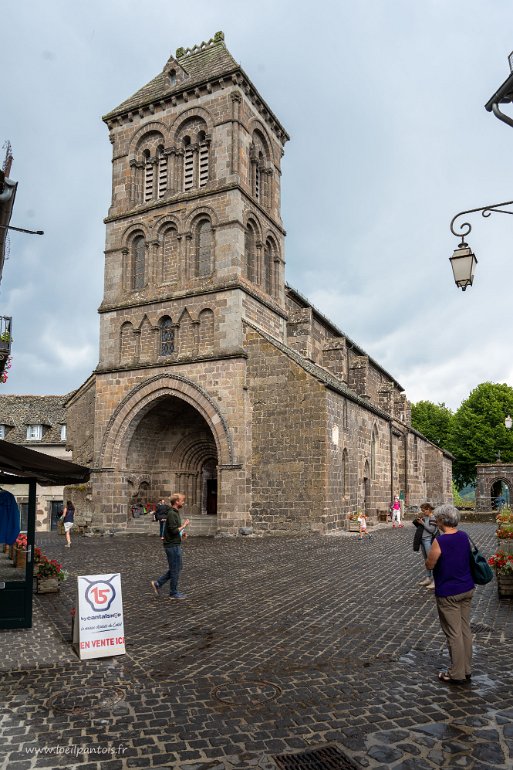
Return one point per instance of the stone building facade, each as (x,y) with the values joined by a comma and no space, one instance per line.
(215,377)
(39,423)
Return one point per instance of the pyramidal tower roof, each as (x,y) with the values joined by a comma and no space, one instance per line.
(189,68)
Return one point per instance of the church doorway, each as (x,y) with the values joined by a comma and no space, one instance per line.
(209,497)
(170,448)
(366,490)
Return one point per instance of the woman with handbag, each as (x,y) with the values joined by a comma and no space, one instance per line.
(449,558)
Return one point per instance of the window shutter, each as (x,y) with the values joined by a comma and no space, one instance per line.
(162,180)
(188,169)
(148,181)
(203,165)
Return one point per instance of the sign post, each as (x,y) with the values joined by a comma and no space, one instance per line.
(98,630)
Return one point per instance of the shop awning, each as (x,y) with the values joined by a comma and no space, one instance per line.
(47,470)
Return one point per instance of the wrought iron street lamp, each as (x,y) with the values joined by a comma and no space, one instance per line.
(463,261)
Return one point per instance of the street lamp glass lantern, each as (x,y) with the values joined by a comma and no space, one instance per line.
(508,422)
(463,263)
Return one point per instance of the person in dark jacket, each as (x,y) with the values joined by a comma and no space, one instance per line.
(449,558)
(173,532)
(161,512)
(428,529)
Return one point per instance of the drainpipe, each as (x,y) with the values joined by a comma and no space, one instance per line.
(391,463)
(406,480)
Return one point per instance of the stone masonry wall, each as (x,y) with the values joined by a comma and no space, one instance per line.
(80,424)
(289,442)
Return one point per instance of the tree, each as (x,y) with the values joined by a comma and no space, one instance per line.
(432,420)
(477,432)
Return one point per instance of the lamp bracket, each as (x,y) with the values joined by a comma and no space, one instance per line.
(465,227)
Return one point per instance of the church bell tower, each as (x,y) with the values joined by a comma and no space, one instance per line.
(194,241)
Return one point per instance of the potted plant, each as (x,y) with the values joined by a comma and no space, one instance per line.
(19,556)
(48,572)
(354,525)
(504,530)
(502,562)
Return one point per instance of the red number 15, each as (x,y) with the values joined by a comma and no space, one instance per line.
(100,594)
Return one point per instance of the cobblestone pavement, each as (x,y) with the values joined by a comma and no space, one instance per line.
(283,646)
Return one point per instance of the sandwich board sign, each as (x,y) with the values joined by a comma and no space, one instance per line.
(98,630)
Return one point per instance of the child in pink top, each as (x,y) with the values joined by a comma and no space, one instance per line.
(362,521)
(396,512)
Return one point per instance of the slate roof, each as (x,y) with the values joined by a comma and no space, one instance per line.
(194,66)
(16,412)
(201,63)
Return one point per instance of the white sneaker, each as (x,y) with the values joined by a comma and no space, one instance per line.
(425,582)
(431,584)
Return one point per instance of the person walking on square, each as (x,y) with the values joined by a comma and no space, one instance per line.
(449,558)
(396,512)
(362,521)
(173,532)
(429,530)
(161,512)
(68,516)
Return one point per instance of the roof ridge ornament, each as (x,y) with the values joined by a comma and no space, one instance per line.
(182,52)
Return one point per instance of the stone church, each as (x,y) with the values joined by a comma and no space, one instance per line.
(215,377)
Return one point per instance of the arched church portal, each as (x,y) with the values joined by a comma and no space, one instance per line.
(172,448)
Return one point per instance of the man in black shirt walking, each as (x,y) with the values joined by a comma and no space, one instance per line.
(172,542)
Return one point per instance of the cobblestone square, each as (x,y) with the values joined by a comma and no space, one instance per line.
(283,645)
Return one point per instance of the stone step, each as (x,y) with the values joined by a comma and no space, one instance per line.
(200,526)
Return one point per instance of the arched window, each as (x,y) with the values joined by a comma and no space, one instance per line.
(170,256)
(374,442)
(172,77)
(268,267)
(167,337)
(250,252)
(259,157)
(138,262)
(192,137)
(204,248)
(162,172)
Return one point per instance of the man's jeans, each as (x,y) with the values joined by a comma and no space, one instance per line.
(174,558)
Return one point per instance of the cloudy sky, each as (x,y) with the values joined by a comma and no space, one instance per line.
(383,100)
